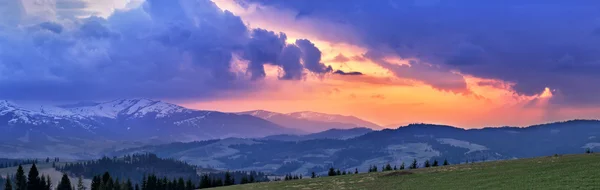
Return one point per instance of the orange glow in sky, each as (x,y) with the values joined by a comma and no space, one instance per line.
(380,96)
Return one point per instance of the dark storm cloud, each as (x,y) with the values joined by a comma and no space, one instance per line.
(533,44)
(163,49)
(311,56)
(290,62)
(264,48)
(340,72)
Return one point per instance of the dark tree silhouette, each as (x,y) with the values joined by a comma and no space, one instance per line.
(33,179)
(20,179)
(414,164)
(65,183)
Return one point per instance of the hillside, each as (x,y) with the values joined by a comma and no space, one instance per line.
(416,141)
(550,172)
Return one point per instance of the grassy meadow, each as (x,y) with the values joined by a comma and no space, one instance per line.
(552,172)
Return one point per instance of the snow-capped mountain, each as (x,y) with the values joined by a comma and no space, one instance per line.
(129,107)
(129,119)
(312,121)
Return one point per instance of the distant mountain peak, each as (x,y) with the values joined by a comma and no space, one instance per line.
(131,107)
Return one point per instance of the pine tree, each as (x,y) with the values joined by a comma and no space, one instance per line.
(338,172)
(129,184)
(33,178)
(427,163)
(244,180)
(117,184)
(137,187)
(446,162)
(331,172)
(80,185)
(435,163)
(48,183)
(228,179)
(20,179)
(8,183)
(414,164)
(251,180)
(96,181)
(355,170)
(395,168)
(190,186)
(64,184)
(313,175)
(388,167)
(42,184)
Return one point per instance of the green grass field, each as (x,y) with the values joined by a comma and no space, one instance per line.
(552,172)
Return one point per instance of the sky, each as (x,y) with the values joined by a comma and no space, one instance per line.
(465,63)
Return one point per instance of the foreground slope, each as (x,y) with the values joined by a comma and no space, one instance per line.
(551,172)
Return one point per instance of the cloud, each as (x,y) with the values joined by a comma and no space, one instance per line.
(311,57)
(531,45)
(340,72)
(340,58)
(174,49)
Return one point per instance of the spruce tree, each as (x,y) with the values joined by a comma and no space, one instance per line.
(251,180)
(48,183)
(402,166)
(129,185)
(33,178)
(395,168)
(414,164)
(244,180)
(446,162)
(331,172)
(435,163)
(8,183)
(388,167)
(65,183)
(190,186)
(181,184)
(313,175)
(42,184)
(80,185)
(355,170)
(137,187)
(427,163)
(96,181)
(228,179)
(338,172)
(20,179)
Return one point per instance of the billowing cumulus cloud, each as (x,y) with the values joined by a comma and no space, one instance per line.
(532,45)
(311,56)
(161,49)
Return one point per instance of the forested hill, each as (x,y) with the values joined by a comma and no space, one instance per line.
(138,166)
(132,167)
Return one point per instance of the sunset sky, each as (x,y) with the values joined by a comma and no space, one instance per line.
(465,63)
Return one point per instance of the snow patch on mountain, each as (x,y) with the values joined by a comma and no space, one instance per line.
(129,107)
(462,144)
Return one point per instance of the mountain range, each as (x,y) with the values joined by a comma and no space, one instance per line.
(312,122)
(395,146)
(93,126)
(129,119)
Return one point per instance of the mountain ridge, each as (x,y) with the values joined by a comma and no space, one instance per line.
(312,122)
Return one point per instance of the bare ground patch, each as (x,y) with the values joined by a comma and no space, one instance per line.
(398,173)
